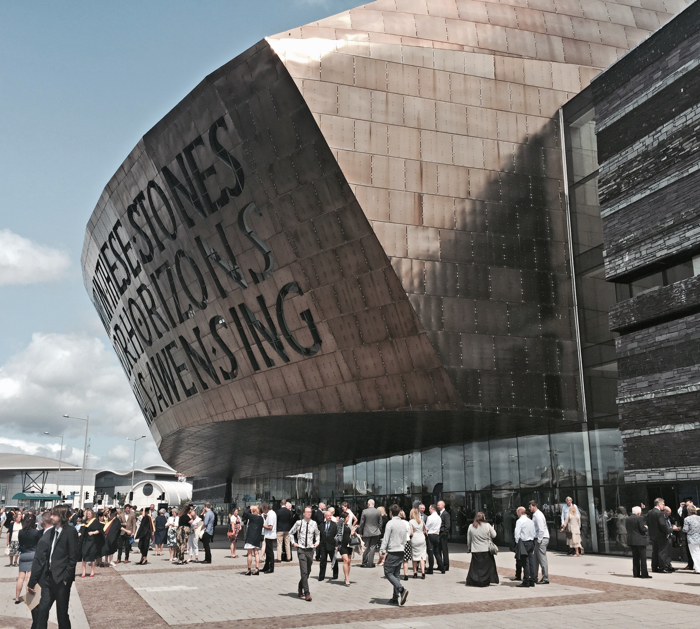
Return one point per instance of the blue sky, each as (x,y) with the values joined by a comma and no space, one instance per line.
(80,84)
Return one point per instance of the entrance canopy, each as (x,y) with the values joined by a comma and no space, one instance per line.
(31,496)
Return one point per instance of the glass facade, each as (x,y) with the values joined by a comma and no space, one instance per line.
(494,476)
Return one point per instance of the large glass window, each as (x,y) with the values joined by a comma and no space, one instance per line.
(453,468)
(431,469)
(534,461)
(476,463)
(504,463)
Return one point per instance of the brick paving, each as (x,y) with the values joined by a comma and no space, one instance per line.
(219,595)
(161,595)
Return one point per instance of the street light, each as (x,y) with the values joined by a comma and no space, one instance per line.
(133,461)
(60,460)
(82,474)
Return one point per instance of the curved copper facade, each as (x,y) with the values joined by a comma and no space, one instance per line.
(358,219)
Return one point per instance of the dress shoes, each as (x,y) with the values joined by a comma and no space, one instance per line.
(543,582)
(524,584)
(645,576)
(393,602)
(308,597)
(301,593)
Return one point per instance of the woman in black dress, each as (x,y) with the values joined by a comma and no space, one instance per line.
(342,540)
(92,539)
(253,538)
(161,531)
(144,535)
(112,531)
(29,537)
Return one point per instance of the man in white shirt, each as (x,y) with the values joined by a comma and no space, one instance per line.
(270,535)
(433,524)
(541,542)
(525,546)
(306,538)
(393,545)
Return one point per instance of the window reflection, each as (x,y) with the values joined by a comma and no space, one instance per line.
(534,461)
(476,463)
(431,469)
(504,463)
(453,468)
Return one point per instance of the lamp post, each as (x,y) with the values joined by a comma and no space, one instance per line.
(133,461)
(82,474)
(60,460)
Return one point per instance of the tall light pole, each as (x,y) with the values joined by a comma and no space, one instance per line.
(60,460)
(133,461)
(82,474)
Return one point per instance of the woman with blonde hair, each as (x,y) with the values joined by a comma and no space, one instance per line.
(419,546)
(572,526)
(92,537)
(482,568)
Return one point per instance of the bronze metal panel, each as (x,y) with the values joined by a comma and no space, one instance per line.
(409,187)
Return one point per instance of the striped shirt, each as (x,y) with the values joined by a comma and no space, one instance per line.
(305,533)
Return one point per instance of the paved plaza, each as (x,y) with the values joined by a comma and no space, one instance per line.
(590,589)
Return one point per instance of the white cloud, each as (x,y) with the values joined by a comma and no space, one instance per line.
(78,375)
(23,261)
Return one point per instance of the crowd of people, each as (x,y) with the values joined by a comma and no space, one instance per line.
(329,536)
(417,543)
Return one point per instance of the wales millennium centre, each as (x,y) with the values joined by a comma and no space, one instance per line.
(421,250)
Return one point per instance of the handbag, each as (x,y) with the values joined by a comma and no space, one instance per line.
(354,540)
(7,550)
(493,549)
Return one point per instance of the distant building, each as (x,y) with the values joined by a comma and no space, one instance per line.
(27,480)
(35,481)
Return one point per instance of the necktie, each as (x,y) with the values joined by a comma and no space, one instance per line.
(306,537)
(327,527)
(55,539)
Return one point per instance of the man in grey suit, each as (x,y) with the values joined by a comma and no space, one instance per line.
(371,531)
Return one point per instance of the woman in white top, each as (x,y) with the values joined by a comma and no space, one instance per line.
(482,568)
(234,530)
(193,540)
(171,528)
(419,546)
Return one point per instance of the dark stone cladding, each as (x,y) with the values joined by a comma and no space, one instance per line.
(639,238)
(648,145)
(667,150)
(657,110)
(665,450)
(666,50)
(657,359)
(666,303)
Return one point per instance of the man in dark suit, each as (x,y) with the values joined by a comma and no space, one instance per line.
(318,515)
(445,529)
(371,531)
(328,530)
(658,533)
(637,540)
(54,569)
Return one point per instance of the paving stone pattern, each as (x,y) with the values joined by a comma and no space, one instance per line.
(592,587)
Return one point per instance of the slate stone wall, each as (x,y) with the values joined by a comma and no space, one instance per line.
(647,121)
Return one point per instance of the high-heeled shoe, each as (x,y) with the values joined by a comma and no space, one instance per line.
(415,575)
(256,573)
(248,573)
(422,576)
(405,577)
